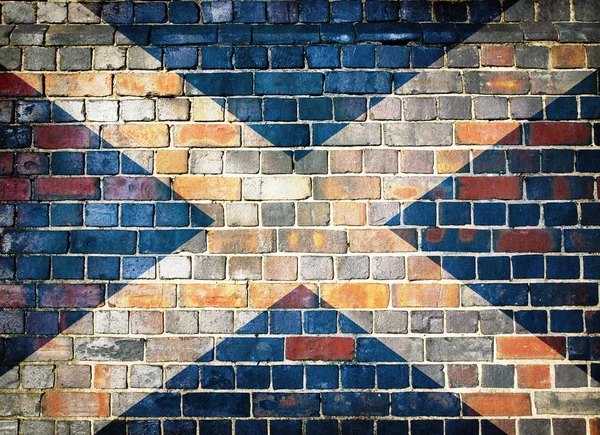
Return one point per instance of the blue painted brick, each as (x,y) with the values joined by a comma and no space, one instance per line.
(245,109)
(15,137)
(338,33)
(561,161)
(590,214)
(392,427)
(134,34)
(42,322)
(37,267)
(289,83)
(183,12)
(560,213)
(170,214)
(584,348)
(590,107)
(528,266)
(165,241)
(591,267)
(253,377)
(67,267)
(137,215)
(219,84)
(588,161)
(531,322)
(454,213)
(217,57)
(156,405)
(561,108)
(566,320)
(420,213)
(392,376)
(426,57)
(359,56)
(355,404)
(586,240)
(349,108)
(235,34)
(314,11)
(103,162)
(544,187)
(323,56)
(393,57)
(346,12)
(130,166)
(592,321)
(251,427)
(458,427)
(179,427)
(420,379)
(288,377)
(322,377)
(359,82)
(7,215)
(201,219)
(285,34)
(450,12)
(287,57)
(358,376)
(103,242)
(416,404)
(315,109)
(282,12)
(258,325)
(357,427)
(67,163)
(101,215)
(7,267)
(291,427)
(135,267)
(249,12)
(150,13)
(280,109)
(490,162)
(487,214)
(382,10)
(66,214)
(181,57)
(33,111)
(493,268)
(416,11)
(459,267)
(34,242)
(215,426)
(523,161)
(454,240)
(562,267)
(186,379)
(217,11)
(103,267)
(373,350)
(485,11)
(497,294)
(143,427)
(250,349)
(523,215)
(118,13)
(32,215)
(321,427)
(320,322)
(558,294)
(288,135)
(217,377)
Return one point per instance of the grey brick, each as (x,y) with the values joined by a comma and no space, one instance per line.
(39,59)
(242,214)
(206,162)
(535,426)
(586,10)
(498,376)
(52,12)
(391,322)
(209,267)
(10,58)
(553,10)
(532,56)
(68,110)
(38,376)
(170,109)
(352,134)
(102,110)
(216,321)
(526,107)
(9,377)
(388,267)
(175,267)
(432,374)
(278,214)
(143,160)
(593,56)
(417,134)
(110,58)
(405,348)
(352,267)
(571,376)
(22,405)
(33,111)
(88,34)
(145,58)
(112,322)
(73,376)
(428,82)
(489,33)
(38,427)
(145,376)
(496,322)
(356,321)
(462,321)
(314,162)
(430,322)
(491,107)
(313,213)
(181,322)
(244,268)
(539,31)
(460,349)
(384,213)
(75,58)
(316,268)
(562,402)
(417,162)
(18,12)
(463,57)
(385,108)
(276,162)
(242,162)
(6,111)
(563,82)
(12,322)
(84,13)
(109,349)
(381,161)
(137,110)
(522,10)
(455,107)
(73,427)
(5,31)
(420,109)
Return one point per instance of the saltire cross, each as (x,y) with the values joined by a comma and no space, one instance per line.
(434,240)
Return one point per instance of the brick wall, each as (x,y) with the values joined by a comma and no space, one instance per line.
(284,217)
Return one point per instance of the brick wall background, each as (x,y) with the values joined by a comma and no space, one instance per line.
(299,217)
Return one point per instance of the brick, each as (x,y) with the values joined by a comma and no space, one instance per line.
(70,295)
(207,135)
(171,161)
(277,188)
(183,349)
(287,405)
(141,295)
(67,404)
(556,403)
(497,404)
(488,133)
(15,189)
(250,349)
(136,135)
(216,404)
(241,241)
(211,188)
(346,134)
(320,348)
(79,85)
(533,376)
(481,188)
(65,136)
(460,349)
(534,240)
(349,213)
(346,187)
(355,295)
(149,84)
(563,83)
(136,188)
(280,268)
(213,295)
(417,134)
(425,295)
(568,56)
(530,347)
(313,241)
(317,267)
(428,82)
(17,296)
(282,295)
(498,55)
(558,133)
(381,241)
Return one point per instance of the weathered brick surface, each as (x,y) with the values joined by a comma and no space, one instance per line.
(307,216)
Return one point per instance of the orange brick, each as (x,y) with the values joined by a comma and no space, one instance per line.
(452,161)
(496,404)
(61,404)
(210,188)
(136,135)
(425,295)
(424,268)
(149,84)
(213,295)
(283,295)
(530,347)
(207,135)
(415,187)
(172,161)
(595,426)
(142,295)
(349,213)
(110,376)
(314,241)
(94,84)
(319,348)
(488,133)
(355,295)
(533,376)
(346,187)
(246,241)
(498,55)
(568,56)
(280,268)
(21,85)
(382,240)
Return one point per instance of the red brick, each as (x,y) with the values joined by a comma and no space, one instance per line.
(241,241)
(6,163)
(559,133)
(67,188)
(92,84)
(498,55)
(489,187)
(533,376)
(425,295)
(136,135)
(136,188)
(533,240)
(283,295)
(346,187)
(496,404)
(71,295)
(75,404)
(213,295)
(17,296)
(319,348)
(568,56)
(595,426)
(382,240)
(142,296)
(65,136)
(488,133)
(209,188)
(530,347)
(21,85)
(149,84)
(14,189)
(355,295)
(207,135)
